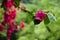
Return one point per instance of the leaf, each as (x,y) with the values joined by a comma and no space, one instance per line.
(51,17)
(46,20)
(17,3)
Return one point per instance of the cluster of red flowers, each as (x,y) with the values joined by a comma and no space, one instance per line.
(9,16)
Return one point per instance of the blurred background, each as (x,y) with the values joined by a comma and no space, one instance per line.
(37,32)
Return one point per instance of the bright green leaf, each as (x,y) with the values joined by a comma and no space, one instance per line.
(51,17)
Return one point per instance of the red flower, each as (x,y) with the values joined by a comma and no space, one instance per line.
(15,26)
(22,25)
(40,15)
(1,28)
(13,14)
(9,16)
(8,4)
(12,27)
(10,31)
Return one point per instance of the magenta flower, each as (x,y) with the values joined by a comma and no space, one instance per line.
(1,28)
(14,25)
(9,17)
(13,14)
(7,20)
(22,25)
(40,15)
(8,4)
(10,31)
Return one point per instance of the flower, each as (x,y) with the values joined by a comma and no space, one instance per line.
(1,28)
(12,27)
(22,25)
(40,15)
(13,14)
(7,4)
(10,31)
(9,16)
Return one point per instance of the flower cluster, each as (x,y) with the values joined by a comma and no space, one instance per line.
(7,4)
(9,17)
(12,27)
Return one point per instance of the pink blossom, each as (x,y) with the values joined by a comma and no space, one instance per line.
(8,4)
(9,17)
(40,15)
(13,14)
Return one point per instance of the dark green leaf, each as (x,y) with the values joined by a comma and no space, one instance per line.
(17,3)
(46,20)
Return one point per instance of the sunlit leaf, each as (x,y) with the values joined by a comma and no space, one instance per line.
(51,17)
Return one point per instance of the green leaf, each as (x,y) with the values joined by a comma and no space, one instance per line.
(46,20)
(51,17)
(17,3)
